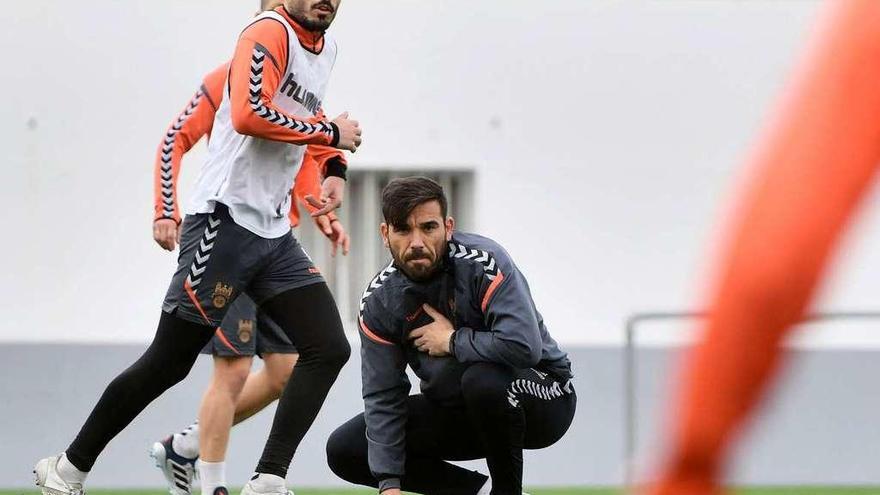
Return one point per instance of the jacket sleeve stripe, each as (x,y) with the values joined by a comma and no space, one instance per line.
(370,335)
(491,290)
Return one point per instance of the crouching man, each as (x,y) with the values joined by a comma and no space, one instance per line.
(453,307)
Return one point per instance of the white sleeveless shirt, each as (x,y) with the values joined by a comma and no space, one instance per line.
(253,176)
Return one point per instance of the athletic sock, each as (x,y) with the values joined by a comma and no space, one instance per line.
(69,472)
(268,483)
(186,443)
(213,475)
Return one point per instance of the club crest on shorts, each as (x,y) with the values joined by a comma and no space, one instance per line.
(221,296)
(245,330)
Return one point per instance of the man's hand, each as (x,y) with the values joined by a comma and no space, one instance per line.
(332,192)
(349,133)
(166,233)
(335,232)
(433,338)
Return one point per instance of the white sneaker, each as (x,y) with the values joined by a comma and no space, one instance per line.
(48,478)
(258,486)
(179,471)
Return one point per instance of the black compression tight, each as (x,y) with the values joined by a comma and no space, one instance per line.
(166,362)
(307,314)
(309,317)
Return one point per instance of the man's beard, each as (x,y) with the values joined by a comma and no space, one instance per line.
(420,274)
(315,25)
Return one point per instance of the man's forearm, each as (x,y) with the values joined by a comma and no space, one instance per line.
(470,346)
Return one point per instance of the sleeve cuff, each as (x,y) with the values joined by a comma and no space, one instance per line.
(335,139)
(458,346)
(176,219)
(335,167)
(388,483)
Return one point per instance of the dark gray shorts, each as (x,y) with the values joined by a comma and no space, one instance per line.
(220,260)
(247,331)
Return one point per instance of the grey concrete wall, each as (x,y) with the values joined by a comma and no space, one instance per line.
(821,428)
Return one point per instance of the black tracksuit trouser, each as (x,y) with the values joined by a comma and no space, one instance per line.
(504,411)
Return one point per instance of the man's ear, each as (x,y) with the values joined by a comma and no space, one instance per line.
(450,227)
(383,231)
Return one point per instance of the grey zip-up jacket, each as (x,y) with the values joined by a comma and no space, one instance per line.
(487,299)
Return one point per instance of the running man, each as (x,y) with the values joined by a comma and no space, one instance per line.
(196,121)
(234,393)
(236,238)
(455,308)
(812,168)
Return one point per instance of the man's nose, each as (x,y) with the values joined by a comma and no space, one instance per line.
(417,241)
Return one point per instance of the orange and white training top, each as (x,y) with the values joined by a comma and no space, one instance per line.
(196,121)
(270,111)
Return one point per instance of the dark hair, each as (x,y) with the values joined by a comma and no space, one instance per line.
(401,196)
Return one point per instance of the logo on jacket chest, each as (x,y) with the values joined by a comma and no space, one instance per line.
(412,317)
(450,304)
(300,94)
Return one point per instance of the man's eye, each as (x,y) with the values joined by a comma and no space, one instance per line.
(430,227)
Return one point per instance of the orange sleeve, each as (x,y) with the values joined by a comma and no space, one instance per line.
(195,121)
(299,191)
(213,85)
(328,161)
(256,71)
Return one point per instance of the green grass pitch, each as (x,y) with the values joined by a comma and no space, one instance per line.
(811,490)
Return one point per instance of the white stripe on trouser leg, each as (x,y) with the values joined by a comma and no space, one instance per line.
(520,387)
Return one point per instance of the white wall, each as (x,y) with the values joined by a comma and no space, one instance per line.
(605,136)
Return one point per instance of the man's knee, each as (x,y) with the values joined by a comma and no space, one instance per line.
(337,349)
(278,368)
(332,353)
(484,384)
(174,349)
(346,449)
(231,373)
(337,453)
(164,370)
(339,354)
